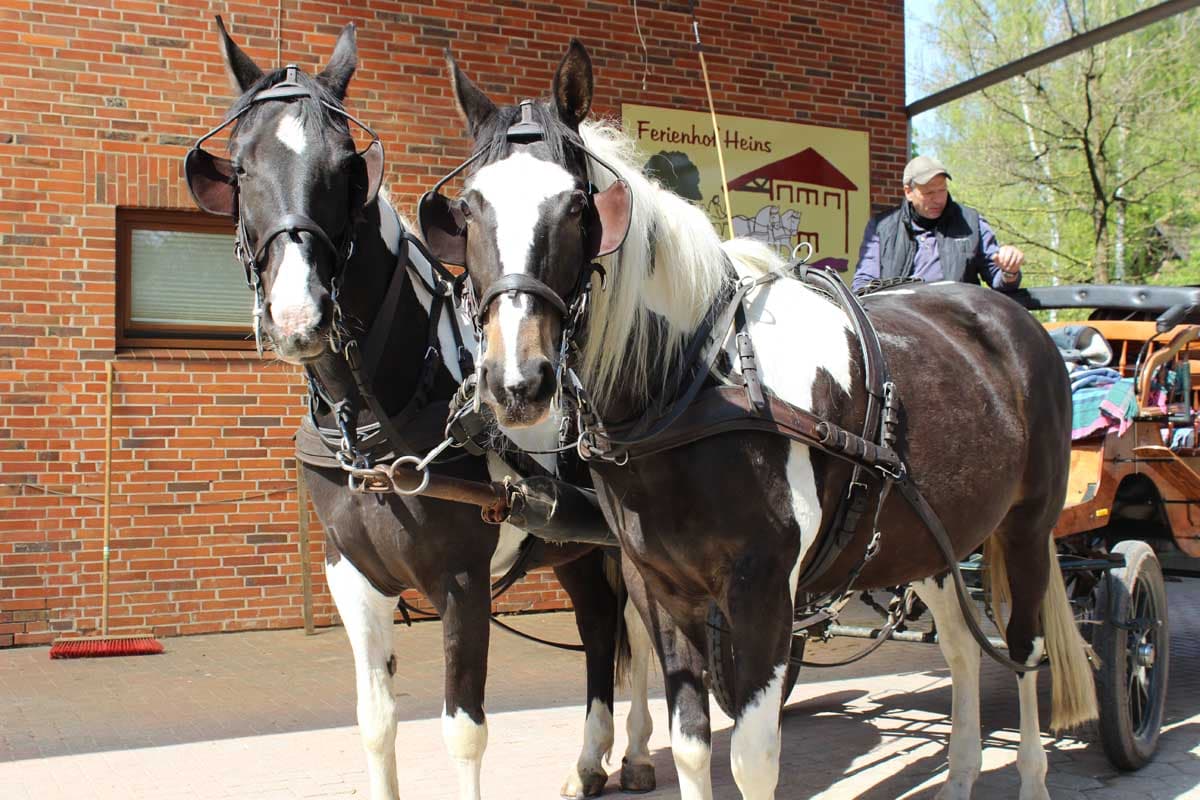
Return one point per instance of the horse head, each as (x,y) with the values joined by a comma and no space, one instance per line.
(527,227)
(296,185)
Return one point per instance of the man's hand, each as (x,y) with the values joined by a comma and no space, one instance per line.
(1009,260)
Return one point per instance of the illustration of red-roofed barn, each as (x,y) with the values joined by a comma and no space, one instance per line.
(805,178)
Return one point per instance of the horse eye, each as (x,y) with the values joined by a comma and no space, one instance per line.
(579,201)
(464,208)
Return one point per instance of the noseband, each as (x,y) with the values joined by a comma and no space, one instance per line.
(202,167)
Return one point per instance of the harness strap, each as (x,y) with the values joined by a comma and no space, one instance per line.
(629,438)
(294,223)
(524,284)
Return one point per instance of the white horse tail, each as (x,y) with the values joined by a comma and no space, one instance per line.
(1073,689)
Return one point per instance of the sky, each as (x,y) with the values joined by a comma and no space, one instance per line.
(919,61)
(918,15)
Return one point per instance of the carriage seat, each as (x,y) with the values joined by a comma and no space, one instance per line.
(1082,346)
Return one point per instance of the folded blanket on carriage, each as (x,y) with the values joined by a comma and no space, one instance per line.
(1101,400)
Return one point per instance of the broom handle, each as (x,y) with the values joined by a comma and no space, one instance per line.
(108,389)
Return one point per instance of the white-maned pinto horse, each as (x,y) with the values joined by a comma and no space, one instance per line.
(301,196)
(732,520)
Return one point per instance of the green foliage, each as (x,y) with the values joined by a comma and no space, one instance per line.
(1081,161)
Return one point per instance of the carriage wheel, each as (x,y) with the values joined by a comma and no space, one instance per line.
(1132,642)
(721,664)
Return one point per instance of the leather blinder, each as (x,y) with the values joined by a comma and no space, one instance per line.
(444,234)
(373,159)
(211,181)
(614,210)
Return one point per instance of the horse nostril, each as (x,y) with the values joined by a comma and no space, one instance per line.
(546,380)
(326,312)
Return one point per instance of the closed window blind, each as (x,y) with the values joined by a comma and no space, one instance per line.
(186,278)
(178,283)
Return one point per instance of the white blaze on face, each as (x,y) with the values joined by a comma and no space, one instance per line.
(515,189)
(293,307)
(291,133)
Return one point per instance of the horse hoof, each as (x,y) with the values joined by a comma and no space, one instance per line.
(588,784)
(637,778)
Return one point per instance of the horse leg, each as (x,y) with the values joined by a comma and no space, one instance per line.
(760,634)
(687,698)
(596,618)
(367,617)
(464,602)
(962,655)
(637,771)
(1040,622)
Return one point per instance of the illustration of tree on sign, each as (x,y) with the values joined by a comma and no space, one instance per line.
(674,170)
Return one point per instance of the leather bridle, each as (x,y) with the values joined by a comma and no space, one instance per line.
(213,184)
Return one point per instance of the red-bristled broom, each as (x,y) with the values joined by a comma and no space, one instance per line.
(105,645)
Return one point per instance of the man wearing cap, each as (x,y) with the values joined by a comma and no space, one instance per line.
(933,238)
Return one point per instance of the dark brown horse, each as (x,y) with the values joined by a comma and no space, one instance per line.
(732,521)
(323,251)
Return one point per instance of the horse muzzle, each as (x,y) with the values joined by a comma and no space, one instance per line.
(520,397)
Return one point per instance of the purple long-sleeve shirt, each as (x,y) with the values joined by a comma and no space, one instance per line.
(927,262)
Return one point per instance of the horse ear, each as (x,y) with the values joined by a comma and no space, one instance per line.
(211,182)
(343,62)
(572,87)
(243,72)
(475,107)
(614,208)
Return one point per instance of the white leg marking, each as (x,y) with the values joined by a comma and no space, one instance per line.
(639,725)
(597,747)
(515,189)
(962,654)
(693,758)
(1031,756)
(465,742)
(754,749)
(291,133)
(293,307)
(367,617)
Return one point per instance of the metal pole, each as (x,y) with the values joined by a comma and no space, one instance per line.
(305,555)
(1073,45)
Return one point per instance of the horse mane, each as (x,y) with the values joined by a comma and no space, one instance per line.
(311,107)
(660,284)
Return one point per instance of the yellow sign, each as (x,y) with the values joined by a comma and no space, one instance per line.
(788,183)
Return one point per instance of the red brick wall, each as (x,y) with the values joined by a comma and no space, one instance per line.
(97,106)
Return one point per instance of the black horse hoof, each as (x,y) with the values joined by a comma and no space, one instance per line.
(637,778)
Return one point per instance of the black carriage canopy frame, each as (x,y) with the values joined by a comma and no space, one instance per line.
(213,182)
(607,219)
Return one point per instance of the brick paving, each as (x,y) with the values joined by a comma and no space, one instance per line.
(270,716)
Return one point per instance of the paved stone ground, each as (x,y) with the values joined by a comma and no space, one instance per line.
(270,716)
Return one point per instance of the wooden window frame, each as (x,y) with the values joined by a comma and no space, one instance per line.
(195,337)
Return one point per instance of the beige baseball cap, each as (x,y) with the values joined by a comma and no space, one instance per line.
(923,169)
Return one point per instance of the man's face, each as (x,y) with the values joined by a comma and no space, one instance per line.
(929,199)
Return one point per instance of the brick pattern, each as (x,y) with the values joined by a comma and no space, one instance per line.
(98,102)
